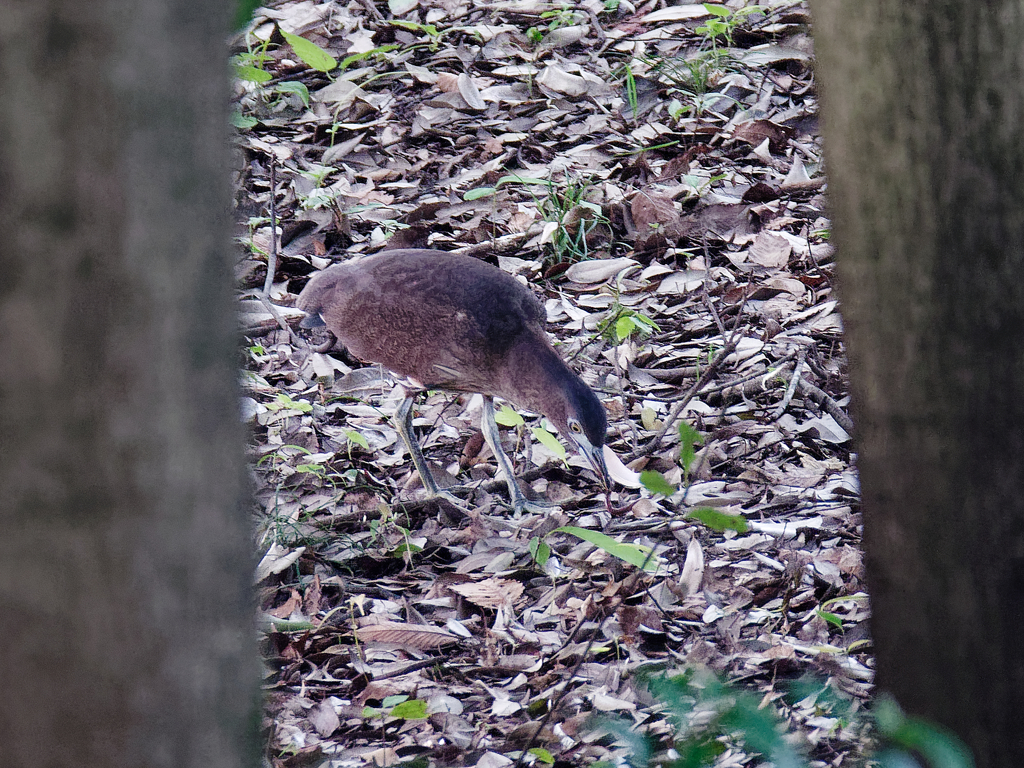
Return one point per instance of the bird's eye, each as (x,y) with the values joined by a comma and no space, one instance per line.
(575,427)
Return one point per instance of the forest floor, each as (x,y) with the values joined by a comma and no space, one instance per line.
(656,176)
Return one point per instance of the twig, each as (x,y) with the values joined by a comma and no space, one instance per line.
(272,256)
(713,366)
(652,445)
(264,295)
(794,380)
(824,400)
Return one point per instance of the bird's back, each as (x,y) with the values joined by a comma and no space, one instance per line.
(443,319)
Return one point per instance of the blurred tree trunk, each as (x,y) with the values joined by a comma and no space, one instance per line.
(126,621)
(924,131)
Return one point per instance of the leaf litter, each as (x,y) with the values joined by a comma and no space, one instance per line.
(662,191)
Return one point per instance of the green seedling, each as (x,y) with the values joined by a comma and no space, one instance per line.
(250,65)
(433,34)
(382,532)
(723,22)
(689,439)
(575,218)
(624,323)
(655,482)
(565,17)
(508,417)
(294,88)
(320,196)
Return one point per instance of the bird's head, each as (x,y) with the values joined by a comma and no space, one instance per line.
(583,421)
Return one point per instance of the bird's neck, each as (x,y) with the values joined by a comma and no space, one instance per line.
(536,378)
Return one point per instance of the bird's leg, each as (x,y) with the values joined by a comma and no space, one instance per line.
(403,419)
(490,429)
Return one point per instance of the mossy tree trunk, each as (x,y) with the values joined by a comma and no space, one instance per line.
(924,133)
(127,637)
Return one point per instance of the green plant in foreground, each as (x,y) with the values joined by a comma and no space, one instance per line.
(709,715)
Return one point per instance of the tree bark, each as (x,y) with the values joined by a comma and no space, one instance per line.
(924,132)
(124,574)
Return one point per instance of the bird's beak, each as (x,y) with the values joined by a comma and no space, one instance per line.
(312,320)
(595,455)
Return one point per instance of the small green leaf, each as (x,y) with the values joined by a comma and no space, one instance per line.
(428,29)
(311,54)
(624,328)
(252,74)
(655,482)
(831,618)
(508,417)
(396,699)
(634,554)
(354,437)
(539,551)
(717,10)
(515,179)
(299,89)
(688,438)
(348,61)
(283,401)
(243,122)
(478,192)
(542,755)
(406,548)
(719,521)
(549,441)
(414,709)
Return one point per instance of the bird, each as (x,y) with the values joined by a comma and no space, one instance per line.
(449,321)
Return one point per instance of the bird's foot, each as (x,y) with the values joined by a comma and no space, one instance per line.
(451,498)
(522,506)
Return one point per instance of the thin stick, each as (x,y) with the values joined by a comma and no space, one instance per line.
(264,296)
(272,256)
(794,380)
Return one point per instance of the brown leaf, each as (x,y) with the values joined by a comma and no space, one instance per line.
(490,593)
(757,131)
(420,636)
(288,607)
(654,213)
